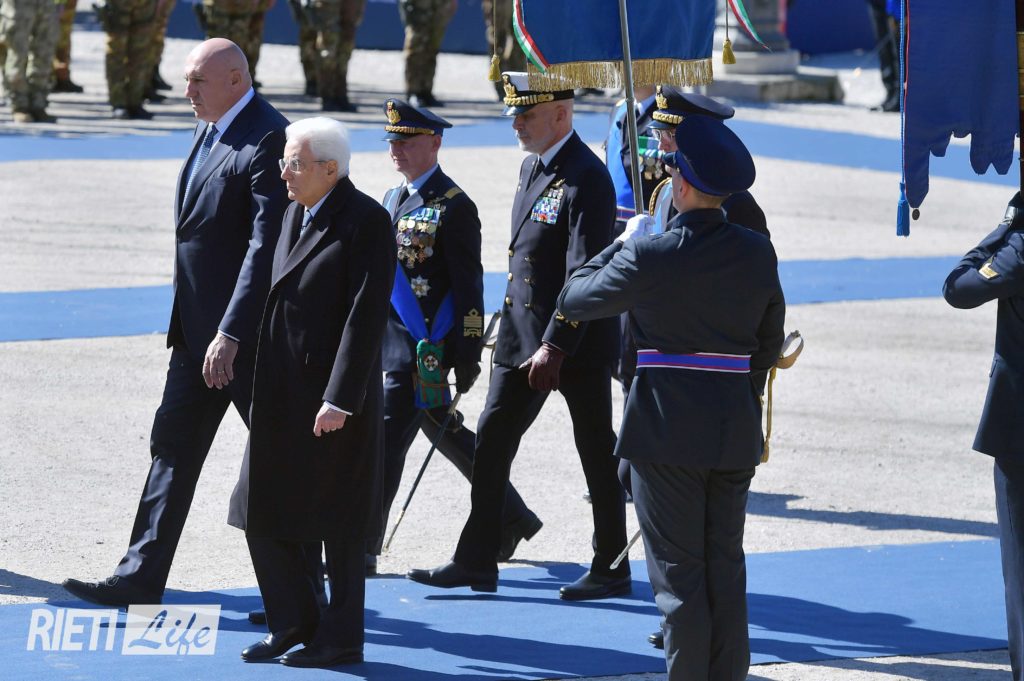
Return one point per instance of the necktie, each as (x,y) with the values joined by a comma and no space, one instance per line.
(306,219)
(204,151)
(403,195)
(538,168)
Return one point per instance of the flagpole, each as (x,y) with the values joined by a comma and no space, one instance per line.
(634,136)
(1020,85)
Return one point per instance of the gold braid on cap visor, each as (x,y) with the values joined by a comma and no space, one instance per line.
(529,100)
(671,119)
(408,130)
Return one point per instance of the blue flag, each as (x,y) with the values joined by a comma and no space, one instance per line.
(578,43)
(960,75)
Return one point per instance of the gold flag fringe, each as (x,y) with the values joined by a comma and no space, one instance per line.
(608,74)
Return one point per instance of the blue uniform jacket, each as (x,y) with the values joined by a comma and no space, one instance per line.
(994,270)
(705,285)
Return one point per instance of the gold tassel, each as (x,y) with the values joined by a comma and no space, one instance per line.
(494,73)
(768,427)
(609,74)
(727,56)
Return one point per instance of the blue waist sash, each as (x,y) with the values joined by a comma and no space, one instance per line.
(701,361)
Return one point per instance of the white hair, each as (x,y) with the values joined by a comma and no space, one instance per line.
(327,138)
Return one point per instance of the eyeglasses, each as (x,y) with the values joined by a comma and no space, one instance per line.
(293,164)
(659,133)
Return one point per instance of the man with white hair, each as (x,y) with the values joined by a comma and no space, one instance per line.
(313,464)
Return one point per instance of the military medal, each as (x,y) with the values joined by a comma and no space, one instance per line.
(549,205)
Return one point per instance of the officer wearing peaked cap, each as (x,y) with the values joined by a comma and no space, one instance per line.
(707,311)
(562,216)
(672,107)
(437,235)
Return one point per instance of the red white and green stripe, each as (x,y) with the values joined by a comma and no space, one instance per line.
(526,42)
(740,12)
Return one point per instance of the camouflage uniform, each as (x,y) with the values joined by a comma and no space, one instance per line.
(511,56)
(240,21)
(29,30)
(62,55)
(307,43)
(129,26)
(255,41)
(229,19)
(425,22)
(156,45)
(336,22)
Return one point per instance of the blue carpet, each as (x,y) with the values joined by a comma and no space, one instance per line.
(97,313)
(804,606)
(764,139)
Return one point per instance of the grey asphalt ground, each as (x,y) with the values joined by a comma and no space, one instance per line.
(873,426)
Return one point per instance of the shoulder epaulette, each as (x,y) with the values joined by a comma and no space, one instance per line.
(452,193)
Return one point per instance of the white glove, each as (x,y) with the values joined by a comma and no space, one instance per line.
(637,226)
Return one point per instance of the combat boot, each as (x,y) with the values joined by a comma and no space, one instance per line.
(40,116)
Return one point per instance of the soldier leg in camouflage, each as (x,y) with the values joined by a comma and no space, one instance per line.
(155,50)
(336,22)
(307,44)
(229,19)
(15,35)
(129,31)
(256,23)
(425,22)
(45,28)
(62,55)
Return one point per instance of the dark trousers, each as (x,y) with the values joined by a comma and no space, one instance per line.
(290,595)
(692,523)
(1009,481)
(402,419)
(183,430)
(511,408)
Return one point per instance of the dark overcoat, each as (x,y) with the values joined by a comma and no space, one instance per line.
(320,340)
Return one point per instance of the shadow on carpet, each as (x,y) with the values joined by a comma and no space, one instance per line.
(803,606)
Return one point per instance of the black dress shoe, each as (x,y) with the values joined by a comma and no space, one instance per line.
(591,587)
(67,85)
(451,575)
(424,99)
(258,616)
(115,591)
(371,565)
(132,113)
(310,88)
(158,83)
(514,533)
(275,645)
(337,104)
(155,97)
(657,639)
(322,656)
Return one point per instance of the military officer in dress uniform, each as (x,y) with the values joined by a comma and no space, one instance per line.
(437,312)
(671,107)
(708,312)
(619,159)
(562,216)
(993,270)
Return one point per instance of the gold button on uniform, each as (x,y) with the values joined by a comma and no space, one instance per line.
(511,252)
(508,301)
(526,305)
(510,276)
(527,280)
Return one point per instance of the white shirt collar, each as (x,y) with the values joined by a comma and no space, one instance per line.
(316,206)
(225,121)
(418,183)
(548,155)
